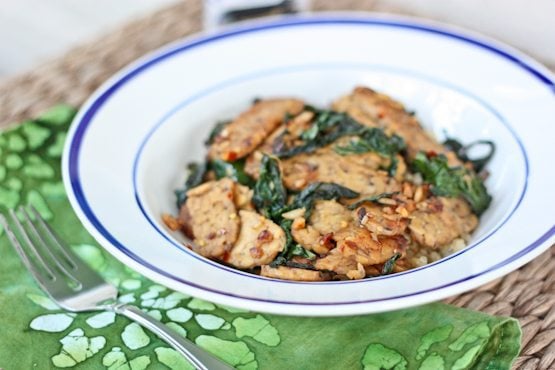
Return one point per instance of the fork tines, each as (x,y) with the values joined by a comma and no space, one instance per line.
(44,254)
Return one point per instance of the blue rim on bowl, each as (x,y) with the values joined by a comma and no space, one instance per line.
(89,114)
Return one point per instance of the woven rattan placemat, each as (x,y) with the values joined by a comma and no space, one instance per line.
(527,294)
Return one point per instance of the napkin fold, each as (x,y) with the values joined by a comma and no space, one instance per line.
(37,334)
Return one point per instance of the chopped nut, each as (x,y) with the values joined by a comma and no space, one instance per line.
(359,273)
(302,119)
(298,223)
(402,211)
(387,201)
(171,222)
(419,194)
(293,214)
(300,183)
(391,216)
(408,190)
(387,210)
(260,221)
(410,206)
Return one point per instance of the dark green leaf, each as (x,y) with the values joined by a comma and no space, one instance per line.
(291,248)
(392,170)
(436,171)
(234,170)
(390,263)
(454,145)
(269,198)
(287,117)
(299,250)
(195,176)
(462,152)
(327,127)
(282,261)
(452,182)
(278,261)
(480,163)
(216,131)
(320,190)
(269,195)
(298,265)
(372,199)
(475,193)
(311,133)
(286,226)
(311,108)
(373,140)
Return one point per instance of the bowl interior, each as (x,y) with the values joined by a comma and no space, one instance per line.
(443,109)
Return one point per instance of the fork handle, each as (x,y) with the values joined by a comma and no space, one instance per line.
(198,357)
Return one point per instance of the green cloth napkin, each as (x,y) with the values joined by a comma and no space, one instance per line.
(36,334)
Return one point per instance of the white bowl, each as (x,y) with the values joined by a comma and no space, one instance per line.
(127,149)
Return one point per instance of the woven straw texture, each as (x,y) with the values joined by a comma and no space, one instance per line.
(527,294)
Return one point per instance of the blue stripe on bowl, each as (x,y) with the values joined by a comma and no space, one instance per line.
(86,118)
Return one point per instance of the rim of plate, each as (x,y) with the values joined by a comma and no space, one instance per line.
(70,167)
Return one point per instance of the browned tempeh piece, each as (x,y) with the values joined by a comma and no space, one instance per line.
(259,241)
(335,229)
(378,222)
(242,197)
(250,128)
(341,265)
(291,273)
(442,221)
(211,215)
(359,172)
(379,110)
(328,217)
(367,249)
(288,133)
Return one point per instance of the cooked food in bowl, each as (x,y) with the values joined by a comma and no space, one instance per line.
(290,191)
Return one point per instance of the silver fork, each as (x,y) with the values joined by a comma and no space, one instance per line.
(77,288)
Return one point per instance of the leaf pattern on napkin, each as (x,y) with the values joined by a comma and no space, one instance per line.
(175,309)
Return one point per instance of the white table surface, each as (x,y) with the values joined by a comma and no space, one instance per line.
(33,31)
